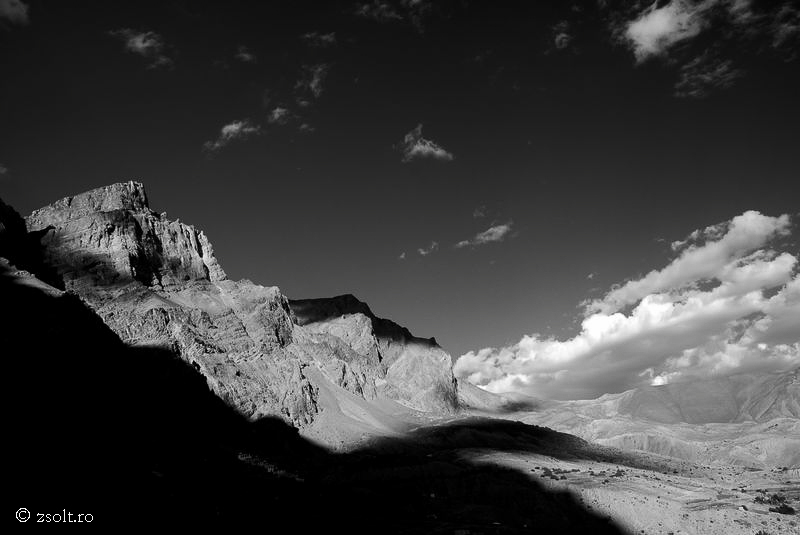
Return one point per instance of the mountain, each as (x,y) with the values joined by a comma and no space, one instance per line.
(746,419)
(145,387)
(328,367)
(736,398)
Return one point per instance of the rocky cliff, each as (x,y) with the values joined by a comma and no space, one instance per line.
(110,235)
(156,282)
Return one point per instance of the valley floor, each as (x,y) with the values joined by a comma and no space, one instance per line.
(669,496)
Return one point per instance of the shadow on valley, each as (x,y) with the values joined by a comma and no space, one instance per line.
(134,435)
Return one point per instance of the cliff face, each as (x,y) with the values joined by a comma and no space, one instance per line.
(156,282)
(417,371)
(110,235)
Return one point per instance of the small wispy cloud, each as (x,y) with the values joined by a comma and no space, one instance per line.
(785,27)
(425,251)
(414,11)
(402,256)
(306,128)
(244,55)
(378,10)
(414,146)
(235,130)
(279,115)
(312,78)
(562,36)
(704,74)
(496,233)
(319,40)
(14,11)
(3,169)
(479,212)
(149,45)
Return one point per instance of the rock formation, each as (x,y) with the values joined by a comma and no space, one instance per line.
(110,235)
(156,282)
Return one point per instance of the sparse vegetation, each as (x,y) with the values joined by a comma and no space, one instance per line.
(775,499)
(778,501)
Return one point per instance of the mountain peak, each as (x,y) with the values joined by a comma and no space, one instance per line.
(129,196)
(110,235)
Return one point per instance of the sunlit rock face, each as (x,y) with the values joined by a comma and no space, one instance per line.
(156,281)
(110,235)
(416,371)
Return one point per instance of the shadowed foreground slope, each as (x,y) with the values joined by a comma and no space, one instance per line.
(133,434)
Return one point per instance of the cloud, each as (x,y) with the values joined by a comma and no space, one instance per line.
(704,74)
(659,28)
(414,11)
(496,233)
(724,242)
(14,11)
(320,40)
(378,11)
(279,115)
(244,55)
(479,212)
(149,45)
(561,35)
(402,256)
(785,27)
(660,31)
(414,146)
(307,128)
(728,305)
(425,251)
(3,169)
(312,78)
(236,130)
(590,276)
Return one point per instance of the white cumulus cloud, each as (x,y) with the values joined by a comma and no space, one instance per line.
(658,28)
(729,304)
(723,243)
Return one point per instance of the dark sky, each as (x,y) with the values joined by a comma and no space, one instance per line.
(541,115)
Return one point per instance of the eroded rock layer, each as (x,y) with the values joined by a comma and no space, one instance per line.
(156,282)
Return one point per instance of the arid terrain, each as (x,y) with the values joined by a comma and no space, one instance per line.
(146,380)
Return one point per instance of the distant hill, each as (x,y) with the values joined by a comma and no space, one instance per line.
(749,419)
(737,398)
